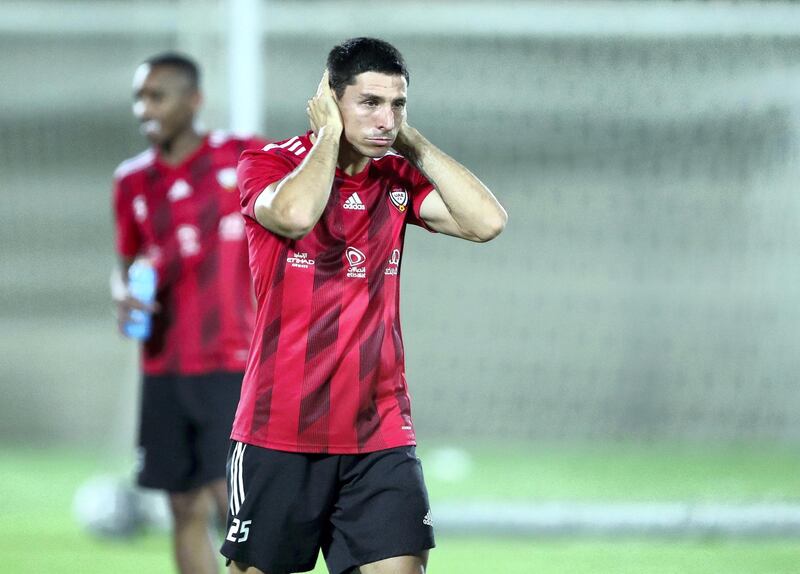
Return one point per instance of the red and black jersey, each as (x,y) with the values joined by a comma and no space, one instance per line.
(186,218)
(326,370)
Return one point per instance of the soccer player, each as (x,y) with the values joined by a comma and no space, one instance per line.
(177,205)
(323,454)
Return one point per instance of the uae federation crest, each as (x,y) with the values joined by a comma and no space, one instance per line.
(399,197)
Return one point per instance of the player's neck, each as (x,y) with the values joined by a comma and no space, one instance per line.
(350,161)
(180,147)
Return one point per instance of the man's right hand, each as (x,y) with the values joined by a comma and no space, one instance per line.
(123,301)
(128,304)
(292,206)
(323,109)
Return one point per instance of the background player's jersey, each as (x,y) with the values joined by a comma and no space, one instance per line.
(326,371)
(186,218)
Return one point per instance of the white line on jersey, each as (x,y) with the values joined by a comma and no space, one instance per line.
(294,145)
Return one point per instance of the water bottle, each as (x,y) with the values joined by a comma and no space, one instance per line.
(141,286)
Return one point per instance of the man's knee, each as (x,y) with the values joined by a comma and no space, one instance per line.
(218,491)
(239,568)
(189,506)
(397,565)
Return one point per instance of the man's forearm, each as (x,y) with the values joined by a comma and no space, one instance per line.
(297,202)
(119,278)
(470,203)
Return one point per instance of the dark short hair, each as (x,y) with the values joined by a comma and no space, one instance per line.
(358,55)
(180,62)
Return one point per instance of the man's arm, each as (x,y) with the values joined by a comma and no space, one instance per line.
(122,297)
(461,205)
(292,206)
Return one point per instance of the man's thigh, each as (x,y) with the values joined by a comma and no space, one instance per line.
(211,400)
(185,424)
(381,514)
(166,449)
(279,506)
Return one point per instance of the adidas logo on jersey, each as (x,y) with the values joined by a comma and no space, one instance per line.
(354,202)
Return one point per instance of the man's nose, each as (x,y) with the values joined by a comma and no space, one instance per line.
(386,118)
(141,110)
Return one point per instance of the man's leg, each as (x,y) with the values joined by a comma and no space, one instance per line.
(397,565)
(382,520)
(219,493)
(236,568)
(191,537)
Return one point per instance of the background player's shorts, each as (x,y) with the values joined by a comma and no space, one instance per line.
(184,429)
(285,507)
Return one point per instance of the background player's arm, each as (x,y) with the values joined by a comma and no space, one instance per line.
(122,297)
(460,205)
(292,206)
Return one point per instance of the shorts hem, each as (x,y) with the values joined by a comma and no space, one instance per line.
(185,486)
(271,568)
(384,555)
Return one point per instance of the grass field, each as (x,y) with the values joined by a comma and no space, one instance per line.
(38,534)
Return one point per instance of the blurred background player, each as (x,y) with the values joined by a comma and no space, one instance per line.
(323,453)
(176,205)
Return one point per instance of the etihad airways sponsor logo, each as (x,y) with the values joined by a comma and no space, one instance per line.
(139,208)
(399,197)
(394,261)
(188,237)
(231,227)
(355,258)
(300,260)
(354,203)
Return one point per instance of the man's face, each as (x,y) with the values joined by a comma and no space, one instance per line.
(164,101)
(372,111)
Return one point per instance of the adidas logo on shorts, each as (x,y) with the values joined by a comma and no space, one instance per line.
(427,521)
(354,202)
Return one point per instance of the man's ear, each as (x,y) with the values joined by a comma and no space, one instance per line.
(196,101)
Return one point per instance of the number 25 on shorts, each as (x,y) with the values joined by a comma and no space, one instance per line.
(242,529)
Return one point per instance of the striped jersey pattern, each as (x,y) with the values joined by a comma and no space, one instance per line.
(326,369)
(186,218)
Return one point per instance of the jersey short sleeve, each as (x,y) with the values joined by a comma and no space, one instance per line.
(254,143)
(129,239)
(420,189)
(256,170)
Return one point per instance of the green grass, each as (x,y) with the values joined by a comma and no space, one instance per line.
(628,472)
(37,533)
(68,551)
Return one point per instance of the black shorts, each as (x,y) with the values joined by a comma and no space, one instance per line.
(184,429)
(359,508)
